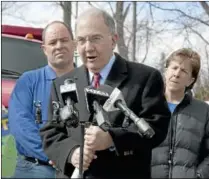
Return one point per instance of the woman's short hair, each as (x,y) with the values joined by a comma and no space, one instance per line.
(186,54)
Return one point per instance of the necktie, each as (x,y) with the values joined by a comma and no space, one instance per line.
(96,79)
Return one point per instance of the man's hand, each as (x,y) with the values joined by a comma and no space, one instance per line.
(52,163)
(96,139)
(88,156)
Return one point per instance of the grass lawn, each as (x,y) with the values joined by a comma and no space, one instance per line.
(9,156)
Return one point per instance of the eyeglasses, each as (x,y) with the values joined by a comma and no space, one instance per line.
(97,39)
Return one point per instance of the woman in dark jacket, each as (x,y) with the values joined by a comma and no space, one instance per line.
(185,151)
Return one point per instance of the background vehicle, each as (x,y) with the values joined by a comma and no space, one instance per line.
(21,51)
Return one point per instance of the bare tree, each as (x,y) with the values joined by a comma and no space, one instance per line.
(162,63)
(134,31)
(67,11)
(120,17)
(76,11)
(181,12)
(189,21)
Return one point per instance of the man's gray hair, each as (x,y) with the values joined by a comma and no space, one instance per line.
(109,21)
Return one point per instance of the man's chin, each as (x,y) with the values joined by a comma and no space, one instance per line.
(93,68)
(61,65)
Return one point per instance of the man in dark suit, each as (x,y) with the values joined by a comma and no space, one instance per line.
(120,152)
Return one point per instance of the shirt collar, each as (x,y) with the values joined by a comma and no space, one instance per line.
(105,71)
(50,73)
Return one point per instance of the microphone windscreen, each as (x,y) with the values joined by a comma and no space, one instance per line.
(69,89)
(106,88)
(100,94)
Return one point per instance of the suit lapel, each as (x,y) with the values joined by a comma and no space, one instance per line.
(118,73)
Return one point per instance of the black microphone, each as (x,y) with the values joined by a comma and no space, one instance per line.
(117,102)
(100,95)
(69,113)
(95,98)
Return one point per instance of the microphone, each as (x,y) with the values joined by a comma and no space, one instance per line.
(69,89)
(117,102)
(94,99)
(69,114)
(101,117)
(100,95)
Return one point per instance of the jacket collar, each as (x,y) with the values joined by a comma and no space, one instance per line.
(49,73)
(186,100)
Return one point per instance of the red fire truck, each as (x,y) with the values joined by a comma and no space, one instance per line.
(21,51)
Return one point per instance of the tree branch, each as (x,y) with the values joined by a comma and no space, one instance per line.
(151,14)
(90,4)
(207,57)
(141,8)
(147,44)
(187,37)
(113,14)
(198,34)
(60,3)
(126,11)
(205,6)
(179,11)
(7,5)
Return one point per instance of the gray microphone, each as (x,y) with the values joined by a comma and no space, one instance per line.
(117,102)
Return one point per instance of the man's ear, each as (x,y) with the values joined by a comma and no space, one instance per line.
(43,48)
(114,40)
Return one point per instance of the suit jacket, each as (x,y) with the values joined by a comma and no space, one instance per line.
(143,90)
